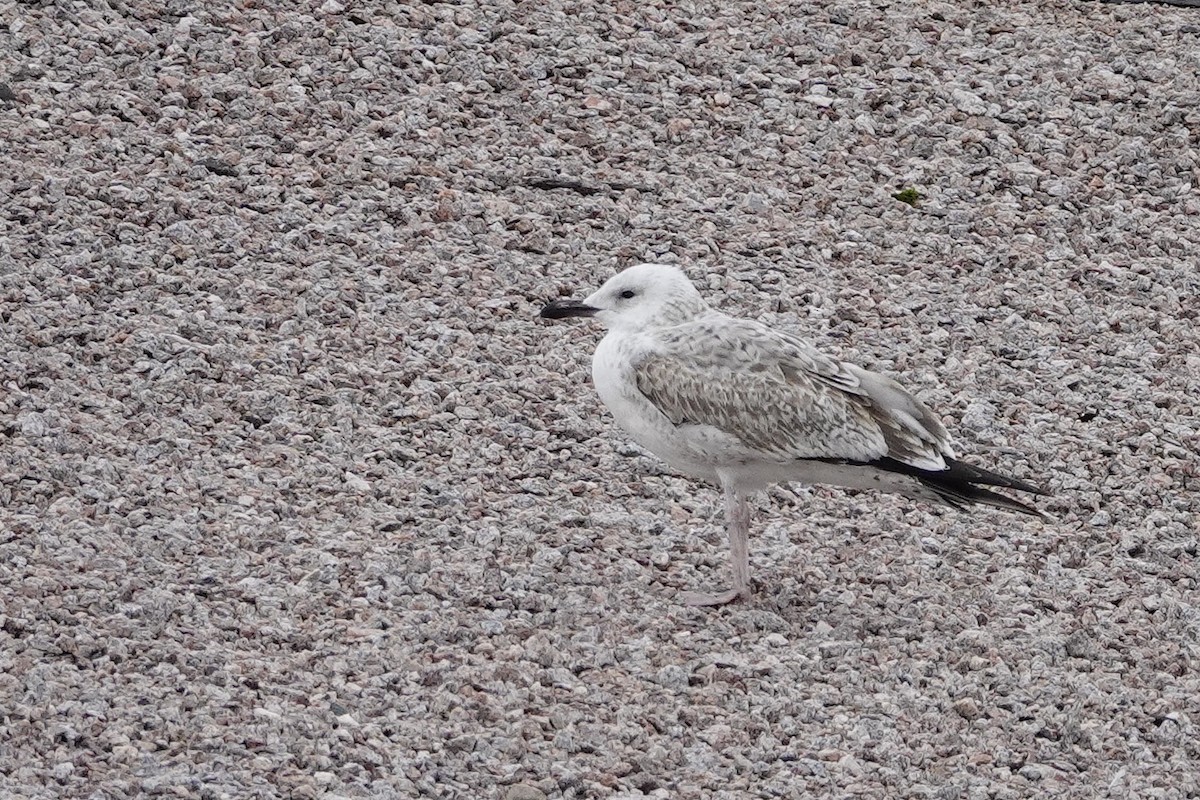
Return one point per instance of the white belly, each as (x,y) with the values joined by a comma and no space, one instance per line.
(709,454)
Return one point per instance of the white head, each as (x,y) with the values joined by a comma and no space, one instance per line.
(643,296)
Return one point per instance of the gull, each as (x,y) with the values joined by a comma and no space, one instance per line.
(741,405)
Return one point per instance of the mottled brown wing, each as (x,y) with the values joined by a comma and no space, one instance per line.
(784,399)
(913,432)
(777,417)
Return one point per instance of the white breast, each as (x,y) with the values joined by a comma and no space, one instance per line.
(612,373)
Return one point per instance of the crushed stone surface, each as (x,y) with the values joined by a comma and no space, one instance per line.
(299,499)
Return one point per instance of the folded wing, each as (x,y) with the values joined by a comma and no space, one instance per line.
(783,399)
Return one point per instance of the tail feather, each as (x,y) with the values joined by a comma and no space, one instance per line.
(959,485)
(959,472)
(962,497)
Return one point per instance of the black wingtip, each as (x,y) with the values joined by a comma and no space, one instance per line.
(970,473)
(961,485)
(977,494)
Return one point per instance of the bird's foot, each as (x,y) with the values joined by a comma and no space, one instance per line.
(717,599)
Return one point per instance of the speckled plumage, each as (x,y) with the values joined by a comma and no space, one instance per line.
(742,405)
(779,397)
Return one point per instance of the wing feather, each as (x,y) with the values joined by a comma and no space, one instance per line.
(784,399)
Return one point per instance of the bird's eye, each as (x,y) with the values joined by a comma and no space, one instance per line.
(628,294)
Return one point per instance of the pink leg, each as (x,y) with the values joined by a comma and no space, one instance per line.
(737,515)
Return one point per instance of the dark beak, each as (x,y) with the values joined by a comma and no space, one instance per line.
(561,309)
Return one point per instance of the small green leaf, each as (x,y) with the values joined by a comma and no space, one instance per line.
(908,195)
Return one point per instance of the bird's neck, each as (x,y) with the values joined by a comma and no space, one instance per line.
(683,309)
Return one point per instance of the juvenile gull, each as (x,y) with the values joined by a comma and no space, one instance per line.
(741,405)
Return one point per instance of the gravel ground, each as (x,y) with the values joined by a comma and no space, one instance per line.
(298,499)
